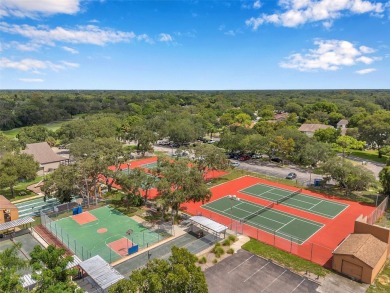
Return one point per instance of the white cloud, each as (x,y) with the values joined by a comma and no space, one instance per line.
(145,38)
(70,50)
(257,4)
(299,12)
(35,65)
(31,79)
(230,33)
(329,55)
(34,8)
(365,71)
(89,34)
(165,37)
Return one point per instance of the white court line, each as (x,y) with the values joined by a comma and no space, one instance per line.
(256,272)
(274,280)
(302,194)
(240,264)
(285,225)
(298,286)
(315,205)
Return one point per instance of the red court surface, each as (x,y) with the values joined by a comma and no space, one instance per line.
(318,248)
(120,246)
(84,218)
(152,193)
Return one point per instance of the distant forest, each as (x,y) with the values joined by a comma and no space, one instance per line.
(26,108)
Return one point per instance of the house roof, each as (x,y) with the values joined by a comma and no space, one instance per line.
(364,247)
(42,153)
(6,204)
(342,122)
(313,127)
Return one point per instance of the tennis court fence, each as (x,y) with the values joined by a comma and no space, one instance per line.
(144,239)
(308,250)
(378,212)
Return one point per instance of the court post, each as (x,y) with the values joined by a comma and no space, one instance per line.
(75,248)
(311,252)
(291,242)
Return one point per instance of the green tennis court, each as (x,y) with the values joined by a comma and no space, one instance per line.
(152,165)
(88,239)
(281,224)
(322,207)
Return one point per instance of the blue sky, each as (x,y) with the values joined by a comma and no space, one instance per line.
(194,45)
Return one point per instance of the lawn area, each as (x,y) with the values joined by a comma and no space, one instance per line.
(21,187)
(382,283)
(53,126)
(369,155)
(286,259)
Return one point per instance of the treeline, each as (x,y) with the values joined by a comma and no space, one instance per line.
(26,108)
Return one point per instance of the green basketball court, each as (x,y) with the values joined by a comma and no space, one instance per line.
(280,224)
(322,207)
(87,239)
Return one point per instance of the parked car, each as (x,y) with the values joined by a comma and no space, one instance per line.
(244,158)
(234,164)
(277,160)
(256,156)
(291,176)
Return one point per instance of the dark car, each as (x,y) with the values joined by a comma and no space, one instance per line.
(291,176)
(277,160)
(244,158)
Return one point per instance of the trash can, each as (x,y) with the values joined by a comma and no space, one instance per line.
(317,182)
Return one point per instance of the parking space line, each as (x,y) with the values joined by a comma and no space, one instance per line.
(298,286)
(256,272)
(241,264)
(274,280)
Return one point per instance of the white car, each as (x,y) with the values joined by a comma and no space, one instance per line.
(234,164)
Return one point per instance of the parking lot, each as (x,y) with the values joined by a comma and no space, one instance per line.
(246,272)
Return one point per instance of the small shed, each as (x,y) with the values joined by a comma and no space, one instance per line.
(342,123)
(360,257)
(8,211)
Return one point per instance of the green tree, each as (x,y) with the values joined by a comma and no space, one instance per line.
(375,129)
(282,147)
(384,178)
(180,183)
(178,274)
(63,183)
(7,145)
(349,176)
(328,135)
(10,264)
(49,270)
(348,143)
(209,157)
(15,167)
(243,119)
(313,153)
(33,134)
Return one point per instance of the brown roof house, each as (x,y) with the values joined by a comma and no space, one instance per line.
(45,156)
(309,129)
(360,257)
(342,125)
(8,211)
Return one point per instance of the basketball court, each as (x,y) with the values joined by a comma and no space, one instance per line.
(104,231)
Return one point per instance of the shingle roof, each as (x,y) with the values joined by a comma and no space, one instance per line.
(343,122)
(42,153)
(6,204)
(313,127)
(365,247)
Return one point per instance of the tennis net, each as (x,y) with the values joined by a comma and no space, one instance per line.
(289,196)
(250,216)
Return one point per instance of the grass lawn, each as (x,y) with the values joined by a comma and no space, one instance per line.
(21,187)
(382,283)
(53,126)
(286,259)
(369,155)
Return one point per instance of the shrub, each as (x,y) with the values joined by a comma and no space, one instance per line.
(232,238)
(226,242)
(215,261)
(202,260)
(218,251)
(230,251)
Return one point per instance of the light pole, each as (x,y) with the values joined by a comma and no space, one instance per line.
(128,168)
(232,197)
